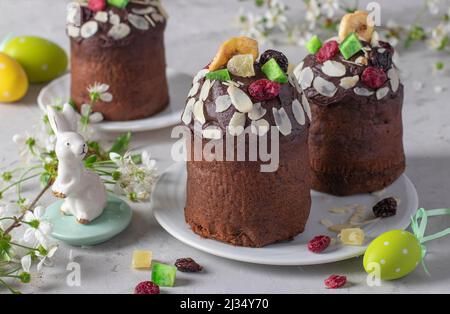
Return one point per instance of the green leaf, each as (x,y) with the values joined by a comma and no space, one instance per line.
(90,160)
(121,143)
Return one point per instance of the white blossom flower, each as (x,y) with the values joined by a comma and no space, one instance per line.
(38,229)
(99,91)
(433,6)
(26,263)
(439,35)
(330,7)
(312,13)
(93,117)
(45,259)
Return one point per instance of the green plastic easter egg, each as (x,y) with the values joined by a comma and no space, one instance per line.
(41,59)
(395,254)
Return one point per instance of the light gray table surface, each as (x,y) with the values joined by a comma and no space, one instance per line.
(195,30)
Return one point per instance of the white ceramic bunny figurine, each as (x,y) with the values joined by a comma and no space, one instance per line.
(84,192)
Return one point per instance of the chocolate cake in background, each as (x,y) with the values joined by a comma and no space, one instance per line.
(119,43)
(355,140)
(233,201)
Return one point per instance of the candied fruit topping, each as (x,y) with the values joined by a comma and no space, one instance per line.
(273,71)
(219,75)
(121,4)
(279,57)
(314,44)
(146,287)
(385,208)
(142,259)
(188,265)
(373,77)
(232,47)
(350,46)
(163,275)
(97,5)
(264,89)
(335,281)
(241,65)
(328,51)
(319,243)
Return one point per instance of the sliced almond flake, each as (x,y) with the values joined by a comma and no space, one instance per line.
(338,227)
(114,18)
(324,87)
(119,31)
(161,9)
(294,82)
(375,39)
(382,92)
(205,90)
(298,112)
(73,13)
(101,17)
(364,222)
(138,22)
(381,50)
(398,200)
(351,62)
(257,112)
(340,210)
(395,80)
(200,75)
(240,99)
(361,91)
(143,11)
(230,83)
(223,103)
(361,60)
(260,127)
(333,68)
(212,132)
(349,82)
(157,17)
(358,215)
(89,29)
(282,121)
(306,107)
(297,70)
(194,89)
(240,83)
(237,124)
(187,114)
(326,222)
(199,115)
(379,193)
(73,31)
(149,19)
(305,78)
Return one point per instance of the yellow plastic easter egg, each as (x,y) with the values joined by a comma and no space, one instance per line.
(41,59)
(393,255)
(13,80)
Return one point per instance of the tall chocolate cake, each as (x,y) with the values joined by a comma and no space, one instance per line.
(237,96)
(355,140)
(120,44)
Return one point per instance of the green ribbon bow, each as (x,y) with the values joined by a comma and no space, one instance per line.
(419,225)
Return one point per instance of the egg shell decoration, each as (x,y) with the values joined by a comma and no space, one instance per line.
(13,79)
(396,252)
(41,59)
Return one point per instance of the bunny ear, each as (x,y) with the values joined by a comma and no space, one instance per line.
(58,120)
(52,119)
(71,117)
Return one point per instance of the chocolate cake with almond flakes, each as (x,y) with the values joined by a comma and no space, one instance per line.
(355,139)
(237,97)
(118,45)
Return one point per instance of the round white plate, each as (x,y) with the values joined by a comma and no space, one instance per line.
(168,202)
(179,84)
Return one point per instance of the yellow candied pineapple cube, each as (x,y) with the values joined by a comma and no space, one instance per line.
(142,259)
(352,236)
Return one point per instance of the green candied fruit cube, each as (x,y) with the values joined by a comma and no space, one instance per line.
(274,72)
(121,4)
(314,44)
(219,75)
(350,46)
(163,275)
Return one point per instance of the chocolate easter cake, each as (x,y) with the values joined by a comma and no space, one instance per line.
(353,86)
(117,49)
(235,201)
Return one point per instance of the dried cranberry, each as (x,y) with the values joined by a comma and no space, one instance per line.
(328,51)
(187,265)
(373,77)
(385,208)
(146,287)
(97,5)
(264,89)
(319,243)
(280,58)
(335,281)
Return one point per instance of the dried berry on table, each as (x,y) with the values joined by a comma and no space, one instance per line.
(146,287)
(335,281)
(385,208)
(188,265)
(264,90)
(373,77)
(280,58)
(319,243)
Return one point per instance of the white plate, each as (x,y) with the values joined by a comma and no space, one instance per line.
(168,202)
(179,84)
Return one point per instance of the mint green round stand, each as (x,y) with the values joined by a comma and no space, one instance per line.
(115,218)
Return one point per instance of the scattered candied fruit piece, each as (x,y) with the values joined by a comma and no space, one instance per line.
(163,275)
(121,4)
(142,259)
(219,75)
(327,51)
(241,65)
(335,281)
(273,71)
(146,287)
(232,47)
(314,44)
(188,265)
(97,5)
(319,243)
(385,208)
(350,46)
(352,236)
(279,57)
